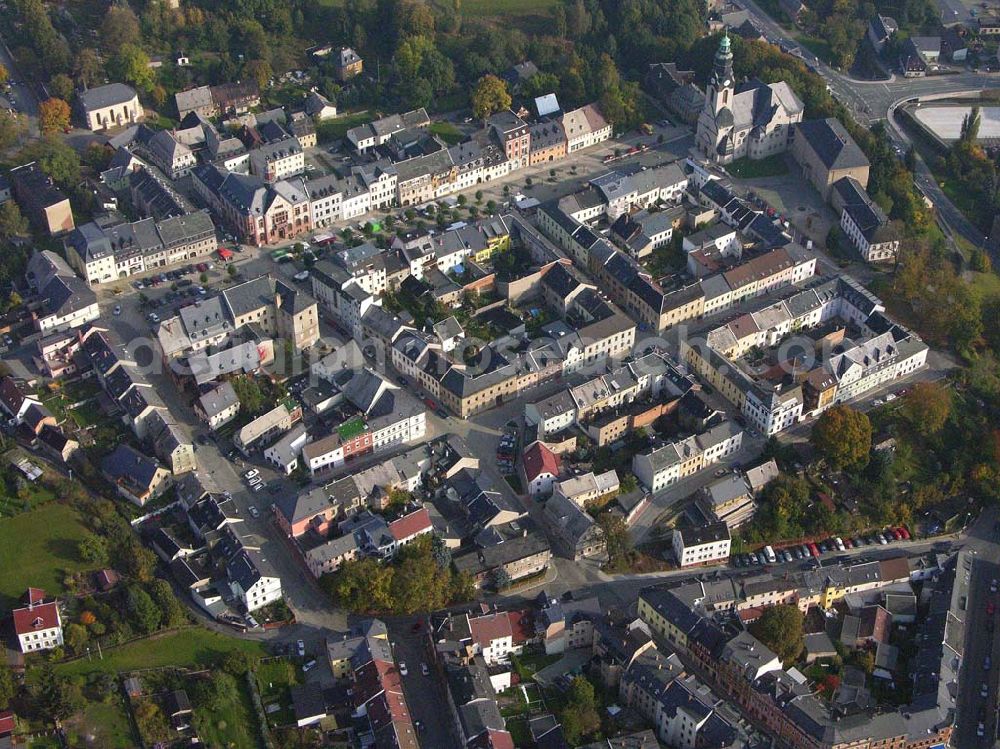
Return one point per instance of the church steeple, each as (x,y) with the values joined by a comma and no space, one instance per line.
(720,87)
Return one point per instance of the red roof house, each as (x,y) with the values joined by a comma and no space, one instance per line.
(541,468)
(408,527)
(38,625)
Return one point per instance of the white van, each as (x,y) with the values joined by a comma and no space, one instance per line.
(769,553)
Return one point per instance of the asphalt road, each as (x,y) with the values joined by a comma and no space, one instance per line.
(425,695)
(27,103)
(976,712)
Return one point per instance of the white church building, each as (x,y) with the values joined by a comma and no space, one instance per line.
(754,122)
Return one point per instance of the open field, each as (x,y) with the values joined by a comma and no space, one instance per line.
(190,648)
(102,724)
(36,549)
(233,724)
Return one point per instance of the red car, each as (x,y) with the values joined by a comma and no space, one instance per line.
(903,532)
(430,403)
(814,550)
(848,544)
(990,608)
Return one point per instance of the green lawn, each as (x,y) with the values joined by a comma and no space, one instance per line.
(487,8)
(273,680)
(338,127)
(446,132)
(772,166)
(36,549)
(102,724)
(527,665)
(233,724)
(189,647)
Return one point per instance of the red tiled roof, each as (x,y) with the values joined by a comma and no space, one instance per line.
(418,521)
(34,595)
(35,618)
(6,722)
(896,568)
(538,459)
(486,629)
(520,626)
(492,739)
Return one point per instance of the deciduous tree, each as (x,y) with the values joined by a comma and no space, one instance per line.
(926,407)
(780,628)
(12,223)
(489,96)
(130,64)
(53,116)
(12,127)
(843,436)
(120,27)
(143,612)
(579,716)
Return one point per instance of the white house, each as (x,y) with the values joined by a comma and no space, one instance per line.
(252,579)
(284,454)
(38,625)
(541,469)
(702,545)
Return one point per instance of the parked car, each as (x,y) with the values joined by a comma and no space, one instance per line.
(402,669)
(251,473)
(424,670)
(254,512)
(993,585)
(308,665)
(256,481)
(300,648)
(117,310)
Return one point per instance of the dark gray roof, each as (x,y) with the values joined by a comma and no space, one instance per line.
(249,296)
(128,462)
(105,96)
(832,143)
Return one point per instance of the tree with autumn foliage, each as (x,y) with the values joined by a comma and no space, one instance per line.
(489,96)
(843,436)
(53,116)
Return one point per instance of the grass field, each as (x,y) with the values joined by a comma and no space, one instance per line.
(189,647)
(273,680)
(36,548)
(487,8)
(772,166)
(446,132)
(233,724)
(102,724)
(338,127)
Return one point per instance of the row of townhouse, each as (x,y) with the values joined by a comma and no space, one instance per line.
(313,518)
(668,464)
(839,369)
(132,394)
(744,670)
(352,279)
(654,376)
(269,207)
(376,417)
(102,254)
(684,711)
(217,323)
(62,302)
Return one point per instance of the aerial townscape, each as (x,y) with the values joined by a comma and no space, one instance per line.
(400,374)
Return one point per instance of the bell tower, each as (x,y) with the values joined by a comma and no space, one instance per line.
(720,87)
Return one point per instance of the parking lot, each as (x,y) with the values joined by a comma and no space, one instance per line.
(817,550)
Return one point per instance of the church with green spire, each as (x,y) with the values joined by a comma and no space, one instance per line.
(753,120)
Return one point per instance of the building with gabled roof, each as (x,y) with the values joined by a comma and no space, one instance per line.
(37,624)
(753,121)
(827,153)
